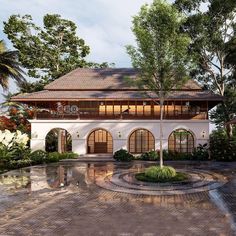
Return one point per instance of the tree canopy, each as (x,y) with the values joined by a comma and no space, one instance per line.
(212,31)
(50,51)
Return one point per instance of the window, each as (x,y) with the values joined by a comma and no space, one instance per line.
(100,141)
(181,141)
(141,141)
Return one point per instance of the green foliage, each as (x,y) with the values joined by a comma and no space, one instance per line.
(177,178)
(201,152)
(162,50)
(149,156)
(213,37)
(56,156)
(38,157)
(225,112)
(16,164)
(122,155)
(221,148)
(6,154)
(9,66)
(156,172)
(51,51)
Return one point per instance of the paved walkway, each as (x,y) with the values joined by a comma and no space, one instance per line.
(89,210)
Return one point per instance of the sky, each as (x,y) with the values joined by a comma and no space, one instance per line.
(105,25)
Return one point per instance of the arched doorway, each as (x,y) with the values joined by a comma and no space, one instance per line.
(140,141)
(58,140)
(100,141)
(182,141)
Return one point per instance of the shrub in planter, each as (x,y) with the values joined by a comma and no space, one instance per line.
(38,157)
(156,172)
(149,156)
(123,155)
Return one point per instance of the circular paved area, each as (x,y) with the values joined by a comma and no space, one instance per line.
(125,181)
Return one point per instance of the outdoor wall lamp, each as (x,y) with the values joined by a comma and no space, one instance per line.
(203,134)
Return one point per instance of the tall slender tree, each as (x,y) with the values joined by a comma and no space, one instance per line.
(161,54)
(9,66)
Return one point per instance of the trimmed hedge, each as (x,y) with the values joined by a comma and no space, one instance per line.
(35,158)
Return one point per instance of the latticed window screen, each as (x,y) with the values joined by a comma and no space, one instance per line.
(100,141)
(141,141)
(182,141)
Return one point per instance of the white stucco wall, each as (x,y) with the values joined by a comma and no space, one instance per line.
(80,129)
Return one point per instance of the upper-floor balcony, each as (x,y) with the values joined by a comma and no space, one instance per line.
(127,110)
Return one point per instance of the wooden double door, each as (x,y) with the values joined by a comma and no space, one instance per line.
(100,141)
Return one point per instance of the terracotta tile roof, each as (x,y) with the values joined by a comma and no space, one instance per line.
(101,79)
(47,95)
(89,84)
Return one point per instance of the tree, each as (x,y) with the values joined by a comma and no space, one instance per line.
(161,54)
(47,52)
(9,66)
(212,34)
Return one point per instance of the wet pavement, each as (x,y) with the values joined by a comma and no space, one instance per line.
(64,199)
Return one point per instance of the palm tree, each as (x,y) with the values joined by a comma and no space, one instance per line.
(9,66)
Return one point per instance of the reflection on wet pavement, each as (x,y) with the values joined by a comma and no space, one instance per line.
(63,199)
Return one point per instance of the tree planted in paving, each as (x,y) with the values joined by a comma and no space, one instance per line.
(161,54)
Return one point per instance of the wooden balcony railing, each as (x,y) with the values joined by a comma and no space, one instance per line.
(91,116)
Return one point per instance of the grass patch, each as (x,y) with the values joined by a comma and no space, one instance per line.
(177,178)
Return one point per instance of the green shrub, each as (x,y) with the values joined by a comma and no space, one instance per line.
(56,156)
(201,152)
(38,157)
(123,155)
(176,156)
(164,173)
(149,156)
(68,155)
(16,164)
(53,157)
(221,147)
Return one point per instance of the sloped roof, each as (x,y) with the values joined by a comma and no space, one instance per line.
(94,84)
(102,79)
(47,95)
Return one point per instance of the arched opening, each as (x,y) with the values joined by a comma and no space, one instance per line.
(58,140)
(181,141)
(140,141)
(100,141)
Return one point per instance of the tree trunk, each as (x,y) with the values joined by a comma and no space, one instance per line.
(161,130)
(229,131)
(228,127)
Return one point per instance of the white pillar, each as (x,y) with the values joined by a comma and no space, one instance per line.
(37,144)
(79,146)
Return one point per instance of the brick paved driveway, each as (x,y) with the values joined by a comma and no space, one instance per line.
(82,208)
